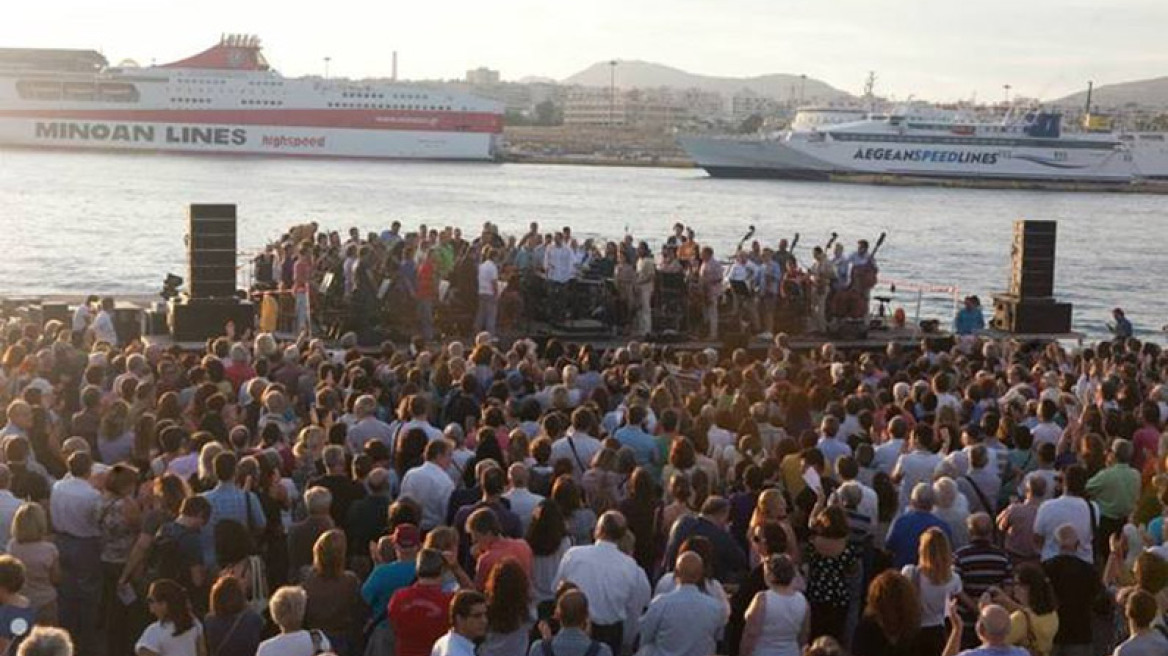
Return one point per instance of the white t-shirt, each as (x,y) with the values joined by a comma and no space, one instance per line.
(292,644)
(915,467)
(1065,510)
(1046,433)
(934,598)
(81,317)
(159,638)
(103,329)
(488,278)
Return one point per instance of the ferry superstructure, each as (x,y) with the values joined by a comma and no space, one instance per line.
(228,99)
(824,144)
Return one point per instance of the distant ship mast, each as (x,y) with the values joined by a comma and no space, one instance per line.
(869,91)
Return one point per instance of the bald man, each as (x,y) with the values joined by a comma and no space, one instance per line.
(993,627)
(686,621)
(1076,584)
(981,565)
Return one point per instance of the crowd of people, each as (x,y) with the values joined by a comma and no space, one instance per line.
(507,498)
(501,284)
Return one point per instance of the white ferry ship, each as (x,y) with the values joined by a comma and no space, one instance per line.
(227,99)
(825,143)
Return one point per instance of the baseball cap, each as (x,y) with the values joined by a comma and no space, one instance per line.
(406,536)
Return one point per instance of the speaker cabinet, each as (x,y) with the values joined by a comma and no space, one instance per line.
(196,320)
(1019,315)
(211,251)
(1032,260)
(128,323)
(57,311)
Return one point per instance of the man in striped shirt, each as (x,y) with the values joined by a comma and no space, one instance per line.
(981,565)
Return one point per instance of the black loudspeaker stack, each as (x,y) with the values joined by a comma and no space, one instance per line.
(211,251)
(211,246)
(1029,306)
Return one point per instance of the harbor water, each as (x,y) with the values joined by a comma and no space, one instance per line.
(114,223)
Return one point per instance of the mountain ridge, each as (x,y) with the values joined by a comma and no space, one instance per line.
(643,74)
(1147,92)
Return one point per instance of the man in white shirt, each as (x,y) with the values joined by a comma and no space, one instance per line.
(917,465)
(616,587)
(103,325)
(831,444)
(75,509)
(468,624)
(82,318)
(888,452)
(430,485)
(488,310)
(559,262)
(1046,431)
(522,500)
(1071,508)
(577,446)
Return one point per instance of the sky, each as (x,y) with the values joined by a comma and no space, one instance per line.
(939,50)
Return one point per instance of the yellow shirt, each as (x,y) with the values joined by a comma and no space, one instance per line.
(1043,628)
(792,470)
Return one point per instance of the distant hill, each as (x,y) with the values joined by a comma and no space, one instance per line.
(1146,93)
(640,74)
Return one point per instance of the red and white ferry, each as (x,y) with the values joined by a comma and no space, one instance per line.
(227,99)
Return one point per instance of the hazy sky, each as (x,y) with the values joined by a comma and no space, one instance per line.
(937,49)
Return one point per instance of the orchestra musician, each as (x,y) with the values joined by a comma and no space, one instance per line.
(626,287)
(742,276)
(863,270)
(710,285)
(770,275)
(560,268)
(823,275)
(645,276)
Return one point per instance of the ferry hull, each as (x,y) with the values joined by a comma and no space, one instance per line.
(248,139)
(826,160)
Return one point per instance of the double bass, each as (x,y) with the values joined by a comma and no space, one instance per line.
(852,302)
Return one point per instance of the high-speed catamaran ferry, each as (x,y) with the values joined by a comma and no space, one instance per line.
(826,143)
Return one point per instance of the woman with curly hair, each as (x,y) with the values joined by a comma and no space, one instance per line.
(508,610)
(891,619)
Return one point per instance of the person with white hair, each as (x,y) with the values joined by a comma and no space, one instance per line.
(287,607)
(950,511)
(366,426)
(993,628)
(907,529)
(46,641)
(1076,585)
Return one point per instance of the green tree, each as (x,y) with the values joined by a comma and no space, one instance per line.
(750,124)
(547,113)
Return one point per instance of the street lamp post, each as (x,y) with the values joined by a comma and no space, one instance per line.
(611,104)
(326,66)
(1006,87)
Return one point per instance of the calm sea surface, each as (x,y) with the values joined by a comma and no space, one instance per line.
(80,222)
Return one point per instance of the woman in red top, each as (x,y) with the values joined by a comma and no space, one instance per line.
(419,613)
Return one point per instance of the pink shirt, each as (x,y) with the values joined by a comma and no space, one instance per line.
(301,273)
(1146,441)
